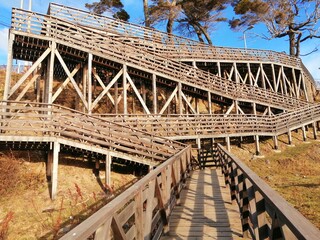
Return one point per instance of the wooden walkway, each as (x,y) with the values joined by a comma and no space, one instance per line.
(205,210)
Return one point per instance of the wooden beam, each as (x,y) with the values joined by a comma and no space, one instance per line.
(31,69)
(7,84)
(108,169)
(169,100)
(124,93)
(54,177)
(107,88)
(137,94)
(154,94)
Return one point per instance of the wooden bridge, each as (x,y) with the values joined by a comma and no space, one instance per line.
(113,90)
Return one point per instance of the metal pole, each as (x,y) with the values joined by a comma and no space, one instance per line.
(244,39)
(30,5)
(21,4)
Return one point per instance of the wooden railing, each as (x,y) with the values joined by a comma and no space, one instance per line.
(142,211)
(217,125)
(167,44)
(68,34)
(20,120)
(264,213)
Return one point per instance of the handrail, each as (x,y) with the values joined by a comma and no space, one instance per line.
(168,44)
(264,213)
(214,125)
(142,211)
(36,119)
(102,45)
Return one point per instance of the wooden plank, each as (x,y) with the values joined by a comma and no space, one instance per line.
(205,209)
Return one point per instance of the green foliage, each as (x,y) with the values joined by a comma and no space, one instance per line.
(114,6)
(295,19)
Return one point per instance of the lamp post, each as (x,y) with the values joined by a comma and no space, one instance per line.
(244,36)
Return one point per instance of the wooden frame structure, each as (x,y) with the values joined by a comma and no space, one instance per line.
(54,129)
(275,71)
(94,66)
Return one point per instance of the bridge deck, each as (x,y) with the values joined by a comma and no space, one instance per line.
(206,211)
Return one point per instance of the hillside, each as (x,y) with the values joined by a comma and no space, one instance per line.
(294,171)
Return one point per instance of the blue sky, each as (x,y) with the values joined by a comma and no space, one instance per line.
(222,36)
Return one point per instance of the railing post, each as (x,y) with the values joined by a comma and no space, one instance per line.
(314,128)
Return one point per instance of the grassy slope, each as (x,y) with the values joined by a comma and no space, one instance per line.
(24,192)
(294,172)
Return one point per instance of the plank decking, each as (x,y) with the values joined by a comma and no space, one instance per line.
(205,210)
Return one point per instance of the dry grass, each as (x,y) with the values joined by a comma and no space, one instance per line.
(25,195)
(294,172)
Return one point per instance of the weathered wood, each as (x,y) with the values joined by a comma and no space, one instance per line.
(271,213)
(205,209)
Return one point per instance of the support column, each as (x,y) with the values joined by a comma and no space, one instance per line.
(314,127)
(257,145)
(275,141)
(180,98)
(49,80)
(84,84)
(89,83)
(228,144)
(108,169)
(154,93)
(52,168)
(116,96)
(209,103)
(219,69)
(7,84)
(124,85)
(144,95)
(304,133)
(290,137)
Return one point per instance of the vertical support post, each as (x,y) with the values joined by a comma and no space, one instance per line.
(197,105)
(236,72)
(254,107)
(228,144)
(124,85)
(219,69)
(275,141)
(304,87)
(289,137)
(264,86)
(249,74)
(7,84)
(116,95)
(144,94)
(49,86)
(90,83)
(97,168)
(209,103)
(108,169)
(257,145)
(54,177)
(304,133)
(314,127)
(180,98)
(154,93)
(84,84)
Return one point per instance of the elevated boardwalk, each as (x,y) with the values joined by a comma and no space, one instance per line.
(206,210)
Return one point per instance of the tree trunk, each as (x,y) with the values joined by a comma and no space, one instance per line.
(171,17)
(146,13)
(205,33)
(292,41)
